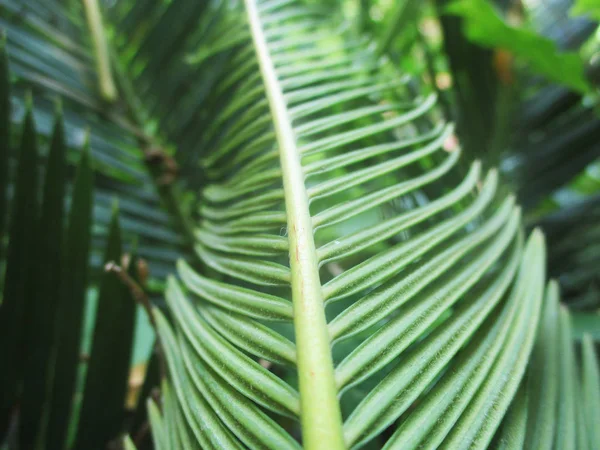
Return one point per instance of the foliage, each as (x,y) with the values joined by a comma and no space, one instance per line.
(50,56)
(586,7)
(485,27)
(207,346)
(351,277)
(43,301)
(531,128)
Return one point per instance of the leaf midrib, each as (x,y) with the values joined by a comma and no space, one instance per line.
(320,417)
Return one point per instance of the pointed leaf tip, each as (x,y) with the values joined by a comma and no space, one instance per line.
(538,235)
(58,109)
(115,210)
(28,103)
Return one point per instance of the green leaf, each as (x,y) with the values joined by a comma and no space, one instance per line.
(328,183)
(157,426)
(544,375)
(52,57)
(514,428)
(41,313)
(236,299)
(460,406)
(586,8)
(566,420)
(484,26)
(250,335)
(19,286)
(71,305)
(102,411)
(402,17)
(5,144)
(200,420)
(590,389)
(548,410)
(343,249)
(252,426)
(391,339)
(585,323)
(410,378)
(128,444)
(238,369)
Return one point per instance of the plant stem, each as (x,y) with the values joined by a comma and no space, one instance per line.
(105,79)
(170,195)
(168,192)
(320,411)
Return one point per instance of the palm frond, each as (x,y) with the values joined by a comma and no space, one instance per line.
(43,299)
(171,103)
(50,55)
(530,130)
(547,411)
(432,294)
(113,330)
(356,283)
(46,287)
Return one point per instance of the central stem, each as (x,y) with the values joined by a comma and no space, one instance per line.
(320,411)
(105,79)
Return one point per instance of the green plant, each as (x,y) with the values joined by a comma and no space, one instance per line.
(530,126)
(44,295)
(314,135)
(353,282)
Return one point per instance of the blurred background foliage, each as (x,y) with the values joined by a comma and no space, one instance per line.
(519,77)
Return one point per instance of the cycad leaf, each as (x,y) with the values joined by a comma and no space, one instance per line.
(128,444)
(20,265)
(157,426)
(5,143)
(433,419)
(590,390)
(71,304)
(328,185)
(566,432)
(513,432)
(411,377)
(548,411)
(239,370)
(41,313)
(200,422)
(102,410)
(345,249)
(543,375)
(48,55)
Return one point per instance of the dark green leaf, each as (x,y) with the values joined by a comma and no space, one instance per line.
(591,390)
(585,323)
(103,407)
(71,305)
(5,147)
(20,278)
(41,311)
